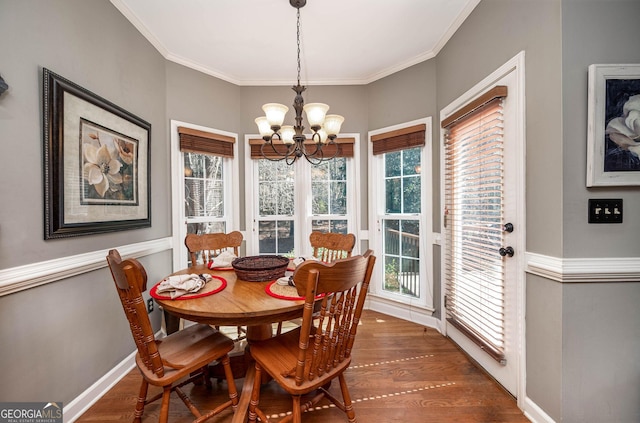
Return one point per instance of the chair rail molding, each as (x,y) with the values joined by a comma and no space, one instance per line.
(567,270)
(19,278)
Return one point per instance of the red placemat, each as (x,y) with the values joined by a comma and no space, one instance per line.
(212,287)
(284,292)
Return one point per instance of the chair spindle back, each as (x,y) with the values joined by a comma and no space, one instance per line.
(343,286)
(209,246)
(330,246)
(130,278)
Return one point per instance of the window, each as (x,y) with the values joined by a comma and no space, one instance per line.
(329,196)
(286,202)
(203,180)
(276,207)
(401,199)
(204,193)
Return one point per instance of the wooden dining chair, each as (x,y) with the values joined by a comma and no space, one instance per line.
(330,246)
(173,361)
(305,360)
(203,248)
(208,246)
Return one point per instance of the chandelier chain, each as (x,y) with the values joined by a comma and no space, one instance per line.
(298,40)
(290,144)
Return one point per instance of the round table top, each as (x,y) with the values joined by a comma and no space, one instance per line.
(241,303)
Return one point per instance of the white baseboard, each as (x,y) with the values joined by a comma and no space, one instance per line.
(534,413)
(419,315)
(72,411)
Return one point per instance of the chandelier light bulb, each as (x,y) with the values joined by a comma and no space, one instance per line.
(275,113)
(287,132)
(323,136)
(315,114)
(263,127)
(332,124)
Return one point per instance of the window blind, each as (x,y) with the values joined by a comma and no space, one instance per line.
(474,271)
(401,139)
(196,141)
(345,148)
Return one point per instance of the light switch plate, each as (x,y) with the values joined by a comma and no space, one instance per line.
(605,210)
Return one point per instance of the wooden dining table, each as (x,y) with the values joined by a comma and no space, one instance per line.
(240,303)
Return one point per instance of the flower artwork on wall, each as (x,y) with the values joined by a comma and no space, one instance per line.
(109,161)
(614,125)
(96,163)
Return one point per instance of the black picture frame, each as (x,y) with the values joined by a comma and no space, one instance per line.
(96,163)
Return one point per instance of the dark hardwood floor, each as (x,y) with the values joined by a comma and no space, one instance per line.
(400,372)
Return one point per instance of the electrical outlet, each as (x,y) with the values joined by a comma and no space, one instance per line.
(605,210)
(150,305)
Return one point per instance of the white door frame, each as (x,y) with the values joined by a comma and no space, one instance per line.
(517,66)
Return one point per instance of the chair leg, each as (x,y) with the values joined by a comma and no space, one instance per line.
(231,383)
(164,409)
(255,395)
(297,411)
(348,406)
(142,397)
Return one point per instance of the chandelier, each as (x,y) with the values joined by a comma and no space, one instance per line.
(293,146)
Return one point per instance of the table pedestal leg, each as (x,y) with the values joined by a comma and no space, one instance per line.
(254,333)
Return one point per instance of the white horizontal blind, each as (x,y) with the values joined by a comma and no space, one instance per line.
(474,201)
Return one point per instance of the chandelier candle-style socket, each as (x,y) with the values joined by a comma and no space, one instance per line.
(325,127)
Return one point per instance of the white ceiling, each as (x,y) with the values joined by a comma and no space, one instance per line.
(253,42)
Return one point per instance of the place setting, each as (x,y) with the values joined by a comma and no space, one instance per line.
(189,286)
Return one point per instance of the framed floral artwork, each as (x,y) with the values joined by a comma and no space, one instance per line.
(613,136)
(96,163)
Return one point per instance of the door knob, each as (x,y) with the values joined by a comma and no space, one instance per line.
(507,227)
(506,251)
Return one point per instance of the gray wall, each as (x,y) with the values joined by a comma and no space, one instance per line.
(58,339)
(495,32)
(579,355)
(601,321)
(594,32)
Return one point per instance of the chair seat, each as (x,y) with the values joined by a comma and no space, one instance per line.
(186,350)
(280,353)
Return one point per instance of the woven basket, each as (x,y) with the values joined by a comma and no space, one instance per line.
(260,268)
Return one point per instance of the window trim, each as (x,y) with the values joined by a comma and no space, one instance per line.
(302,221)
(411,309)
(231,188)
